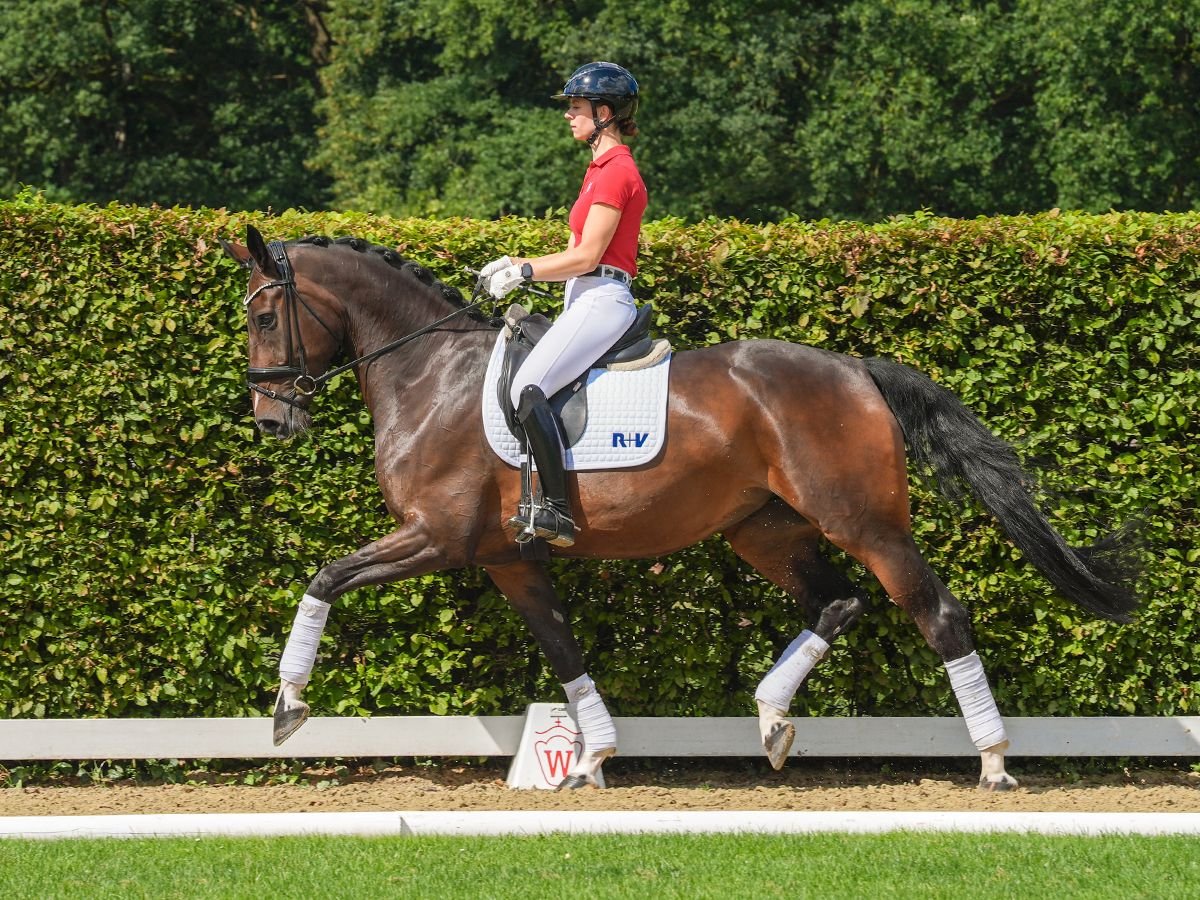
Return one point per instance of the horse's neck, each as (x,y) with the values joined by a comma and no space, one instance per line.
(384,312)
(402,382)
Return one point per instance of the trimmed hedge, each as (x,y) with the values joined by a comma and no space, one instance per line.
(154,546)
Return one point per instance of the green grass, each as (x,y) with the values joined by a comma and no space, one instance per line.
(955,867)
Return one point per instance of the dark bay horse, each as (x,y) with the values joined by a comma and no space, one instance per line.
(774,445)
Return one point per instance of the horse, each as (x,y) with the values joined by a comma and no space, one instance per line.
(776,446)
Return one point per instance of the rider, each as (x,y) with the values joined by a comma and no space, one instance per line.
(598,267)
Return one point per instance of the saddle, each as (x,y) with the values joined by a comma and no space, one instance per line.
(635,349)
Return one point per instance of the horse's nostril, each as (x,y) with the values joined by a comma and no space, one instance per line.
(273,427)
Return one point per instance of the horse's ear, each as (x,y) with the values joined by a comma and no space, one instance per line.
(238,254)
(258,252)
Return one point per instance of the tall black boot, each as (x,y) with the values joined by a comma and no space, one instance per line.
(552,517)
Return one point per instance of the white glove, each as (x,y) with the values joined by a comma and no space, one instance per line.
(495,266)
(504,281)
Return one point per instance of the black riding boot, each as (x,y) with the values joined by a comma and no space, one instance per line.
(552,517)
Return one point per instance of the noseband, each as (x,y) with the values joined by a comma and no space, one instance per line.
(304,384)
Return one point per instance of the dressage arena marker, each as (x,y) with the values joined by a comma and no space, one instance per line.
(495,823)
(551,742)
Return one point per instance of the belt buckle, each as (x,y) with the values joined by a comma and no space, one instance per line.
(604,270)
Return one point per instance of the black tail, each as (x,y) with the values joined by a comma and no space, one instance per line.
(942,433)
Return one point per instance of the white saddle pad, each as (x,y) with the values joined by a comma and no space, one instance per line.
(626,424)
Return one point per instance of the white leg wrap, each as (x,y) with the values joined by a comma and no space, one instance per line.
(779,686)
(599,730)
(300,654)
(976,701)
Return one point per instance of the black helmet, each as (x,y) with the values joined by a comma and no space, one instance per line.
(604,82)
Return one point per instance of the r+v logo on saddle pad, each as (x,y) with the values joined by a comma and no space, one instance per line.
(636,439)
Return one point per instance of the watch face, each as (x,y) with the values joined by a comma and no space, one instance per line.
(526,270)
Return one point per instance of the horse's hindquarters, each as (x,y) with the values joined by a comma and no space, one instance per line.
(746,422)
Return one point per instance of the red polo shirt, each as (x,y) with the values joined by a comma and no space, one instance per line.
(613,179)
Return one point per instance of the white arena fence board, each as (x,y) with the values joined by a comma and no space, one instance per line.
(428,736)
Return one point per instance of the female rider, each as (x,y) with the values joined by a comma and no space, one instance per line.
(598,267)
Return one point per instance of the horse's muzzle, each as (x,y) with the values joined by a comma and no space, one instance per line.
(290,424)
(282,421)
(276,428)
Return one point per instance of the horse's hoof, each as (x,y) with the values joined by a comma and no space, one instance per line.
(778,743)
(575,782)
(1005,783)
(288,720)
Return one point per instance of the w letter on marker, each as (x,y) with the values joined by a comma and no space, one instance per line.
(556,751)
(558,763)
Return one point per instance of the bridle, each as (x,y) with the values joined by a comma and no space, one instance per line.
(304,384)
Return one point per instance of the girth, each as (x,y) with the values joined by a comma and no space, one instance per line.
(633,350)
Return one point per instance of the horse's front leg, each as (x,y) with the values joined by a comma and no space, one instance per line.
(531,593)
(405,553)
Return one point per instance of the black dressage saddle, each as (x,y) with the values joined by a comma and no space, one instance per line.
(634,349)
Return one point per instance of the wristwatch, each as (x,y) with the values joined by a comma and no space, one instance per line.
(527,271)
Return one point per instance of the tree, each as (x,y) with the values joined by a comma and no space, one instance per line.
(752,109)
(167,101)
(927,104)
(726,84)
(427,110)
(443,107)
(1117,102)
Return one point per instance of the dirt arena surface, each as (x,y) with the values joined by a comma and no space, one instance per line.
(635,785)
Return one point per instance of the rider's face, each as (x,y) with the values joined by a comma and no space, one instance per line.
(579,114)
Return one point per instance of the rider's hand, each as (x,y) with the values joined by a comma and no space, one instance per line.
(495,266)
(504,281)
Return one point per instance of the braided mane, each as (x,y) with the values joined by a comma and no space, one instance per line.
(452,294)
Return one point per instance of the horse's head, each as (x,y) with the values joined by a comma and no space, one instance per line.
(296,328)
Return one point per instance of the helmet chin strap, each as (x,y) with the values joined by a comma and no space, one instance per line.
(599,125)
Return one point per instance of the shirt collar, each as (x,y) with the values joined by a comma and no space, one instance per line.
(609,155)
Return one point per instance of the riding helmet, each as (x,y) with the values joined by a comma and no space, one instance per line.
(606,82)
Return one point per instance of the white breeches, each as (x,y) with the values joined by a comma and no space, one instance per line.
(597,312)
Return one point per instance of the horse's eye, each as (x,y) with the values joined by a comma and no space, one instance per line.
(265,320)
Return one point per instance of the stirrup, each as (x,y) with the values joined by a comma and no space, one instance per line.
(539,516)
(548,523)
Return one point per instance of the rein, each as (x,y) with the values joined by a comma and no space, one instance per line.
(304,384)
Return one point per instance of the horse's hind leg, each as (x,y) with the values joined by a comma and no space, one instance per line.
(946,626)
(785,549)
(530,592)
(862,507)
